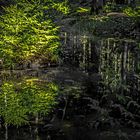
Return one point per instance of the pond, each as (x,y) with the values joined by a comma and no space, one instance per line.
(99,83)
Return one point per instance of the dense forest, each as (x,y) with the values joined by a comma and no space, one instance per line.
(69,69)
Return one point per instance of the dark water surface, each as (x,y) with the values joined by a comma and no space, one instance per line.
(88,69)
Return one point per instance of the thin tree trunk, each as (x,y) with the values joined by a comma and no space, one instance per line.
(6,131)
(84,53)
(65,107)
(36,129)
(6,125)
(123,67)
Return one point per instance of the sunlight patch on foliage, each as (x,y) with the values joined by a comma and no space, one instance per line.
(27,30)
(82,10)
(132,12)
(30,97)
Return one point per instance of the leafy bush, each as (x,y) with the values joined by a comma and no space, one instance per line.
(11,110)
(27,31)
(29,99)
(132,12)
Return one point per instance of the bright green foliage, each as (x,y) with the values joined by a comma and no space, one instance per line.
(38,99)
(61,6)
(23,37)
(19,101)
(10,105)
(27,31)
(83,10)
(133,12)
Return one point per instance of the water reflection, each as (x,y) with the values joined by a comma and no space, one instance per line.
(116,60)
(25,103)
(89,65)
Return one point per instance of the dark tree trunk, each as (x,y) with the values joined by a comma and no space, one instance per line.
(94,58)
(96,6)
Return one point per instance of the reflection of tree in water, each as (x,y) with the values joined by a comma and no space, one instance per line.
(26,102)
(97,67)
(117,61)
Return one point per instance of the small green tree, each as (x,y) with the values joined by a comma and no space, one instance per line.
(23,37)
(27,31)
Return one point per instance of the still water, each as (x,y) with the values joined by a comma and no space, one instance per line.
(88,68)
